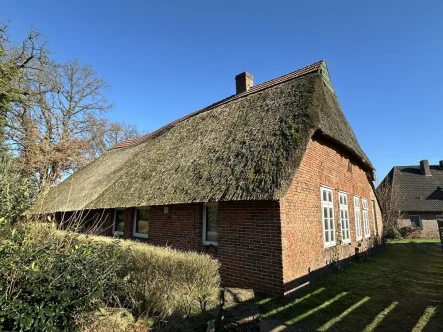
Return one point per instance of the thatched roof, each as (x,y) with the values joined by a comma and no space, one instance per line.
(245,147)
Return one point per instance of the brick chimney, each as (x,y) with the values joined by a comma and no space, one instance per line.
(441,164)
(424,167)
(243,82)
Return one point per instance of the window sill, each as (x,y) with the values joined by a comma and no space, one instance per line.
(330,245)
(344,244)
(141,236)
(209,244)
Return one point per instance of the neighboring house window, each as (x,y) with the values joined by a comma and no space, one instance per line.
(366,228)
(141,222)
(374,217)
(327,212)
(119,221)
(210,224)
(415,221)
(357,216)
(344,217)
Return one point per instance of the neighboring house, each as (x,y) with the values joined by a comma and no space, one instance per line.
(271,181)
(417,193)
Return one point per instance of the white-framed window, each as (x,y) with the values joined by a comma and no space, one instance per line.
(415,221)
(141,222)
(327,213)
(344,217)
(357,216)
(210,224)
(374,217)
(119,222)
(367,230)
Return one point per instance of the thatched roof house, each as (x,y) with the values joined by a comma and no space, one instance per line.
(261,180)
(245,147)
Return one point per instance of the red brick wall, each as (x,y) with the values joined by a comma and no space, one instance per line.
(180,228)
(302,231)
(249,239)
(250,245)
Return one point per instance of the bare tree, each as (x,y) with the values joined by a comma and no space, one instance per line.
(50,128)
(19,65)
(106,134)
(52,115)
(389,199)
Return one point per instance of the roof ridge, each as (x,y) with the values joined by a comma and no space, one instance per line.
(256,88)
(417,166)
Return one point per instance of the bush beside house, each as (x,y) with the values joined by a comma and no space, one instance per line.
(53,280)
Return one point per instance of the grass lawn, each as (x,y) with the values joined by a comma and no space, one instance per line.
(400,289)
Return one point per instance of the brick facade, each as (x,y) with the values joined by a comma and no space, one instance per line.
(249,238)
(249,246)
(324,164)
(271,246)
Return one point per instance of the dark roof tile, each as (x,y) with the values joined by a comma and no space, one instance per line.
(417,192)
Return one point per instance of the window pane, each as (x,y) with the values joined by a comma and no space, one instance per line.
(326,236)
(119,220)
(211,222)
(415,221)
(142,227)
(325,222)
(142,221)
(324,196)
(330,196)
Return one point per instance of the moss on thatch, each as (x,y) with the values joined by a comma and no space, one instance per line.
(246,149)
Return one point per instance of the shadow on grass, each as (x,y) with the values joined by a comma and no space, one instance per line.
(398,290)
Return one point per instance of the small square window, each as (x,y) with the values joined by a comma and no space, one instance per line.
(415,221)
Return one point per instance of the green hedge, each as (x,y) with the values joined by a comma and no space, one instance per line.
(52,280)
(165,282)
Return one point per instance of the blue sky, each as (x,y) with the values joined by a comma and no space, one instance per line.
(165,59)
